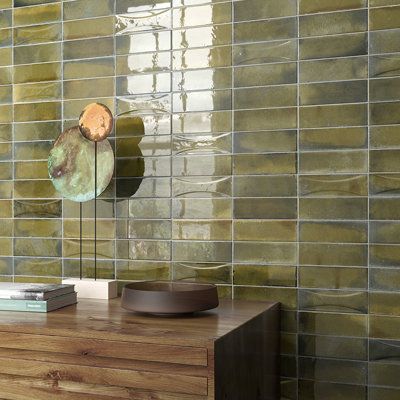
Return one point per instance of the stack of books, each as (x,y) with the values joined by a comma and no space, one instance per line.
(35,297)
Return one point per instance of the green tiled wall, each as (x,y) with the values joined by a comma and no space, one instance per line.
(257,146)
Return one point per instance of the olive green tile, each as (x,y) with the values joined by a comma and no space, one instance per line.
(333,208)
(333,277)
(335,69)
(384,255)
(258,31)
(143,42)
(384,208)
(264,164)
(334,232)
(143,229)
(6,192)
(269,208)
(6,228)
(201,165)
(6,56)
(265,186)
(95,27)
(384,374)
(201,58)
(31,170)
(380,3)
(6,3)
(37,208)
(333,93)
(210,143)
(41,189)
(286,296)
(259,53)
(333,185)
(333,254)
(332,46)
(314,6)
(333,324)
(333,115)
(264,275)
(37,228)
(6,133)
(37,111)
(104,249)
(38,267)
(345,301)
(381,393)
(384,66)
(201,230)
(202,251)
(274,96)
(339,371)
(384,327)
(6,75)
(37,131)
(26,93)
(333,138)
(216,35)
(73,108)
(37,247)
(206,122)
(88,48)
(333,23)
(271,231)
(38,14)
(385,279)
(384,18)
(5,37)
(150,208)
(384,89)
(142,270)
(273,118)
(269,141)
(89,88)
(203,272)
(38,279)
(6,208)
(208,14)
(211,186)
(384,350)
(205,208)
(261,75)
(251,10)
(207,79)
(105,209)
(384,161)
(148,62)
(384,303)
(24,3)
(37,34)
(288,388)
(5,114)
(202,101)
(32,151)
(37,72)
(5,151)
(6,247)
(5,19)
(37,53)
(384,41)
(6,170)
(5,94)
(87,9)
(6,269)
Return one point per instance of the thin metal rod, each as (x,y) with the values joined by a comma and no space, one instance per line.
(80,241)
(95,210)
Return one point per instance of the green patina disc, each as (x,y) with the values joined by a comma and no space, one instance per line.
(71,166)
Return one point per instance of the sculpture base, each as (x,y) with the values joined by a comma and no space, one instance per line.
(102,289)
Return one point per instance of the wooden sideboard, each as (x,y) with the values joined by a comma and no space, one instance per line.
(97,351)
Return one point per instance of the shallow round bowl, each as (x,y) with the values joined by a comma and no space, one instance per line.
(164,297)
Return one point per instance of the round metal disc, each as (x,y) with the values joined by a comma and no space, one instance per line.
(71,166)
(96,122)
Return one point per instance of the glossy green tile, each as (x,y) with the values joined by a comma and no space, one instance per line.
(384,89)
(258,31)
(381,393)
(141,270)
(6,247)
(258,53)
(202,251)
(380,3)
(333,208)
(31,170)
(200,58)
(6,208)
(37,54)
(202,101)
(5,132)
(314,6)
(139,84)
(105,229)
(333,232)
(206,79)
(100,87)
(87,8)
(201,230)
(215,35)
(333,93)
(202,15)
(269,231)
(209,143)
(37,131)
(143,42)
(38,267)
(384,255)
(6,75)
(384,41)
(264,275)
(384,327)
(95,27)
(5,170)
(37,72)
(32,151)
(270,141)
(384,18)
(5,19)
(211,186)
(5,37)
(201,165)
(37,111)
(105,249)
(37,34)
(384,66)
(384,303)
(5,151)
(273,118)
(5,94)
(244,164)
(384,374)
(333,185)
(384,161)
(143,146)
(37,228)
(252,10)
(261,75)
(269,208)
(274,96)
(26,93)
(6,3)
(332,46)
(205,208)
(42,189)
(148,62)
(88,48)
(203,272)
(73,108)
(89,68)
(333,138)
(5,114)
(335,69)
(205,122)
(385,279)
(333,115)
(38,14)
(6,192)
(265,186)
(37,208)
(5,56)
(384,208)
(150,208)
(37,247)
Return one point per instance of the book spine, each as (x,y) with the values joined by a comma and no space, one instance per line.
(23,305)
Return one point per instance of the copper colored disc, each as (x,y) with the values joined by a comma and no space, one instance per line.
(96,122)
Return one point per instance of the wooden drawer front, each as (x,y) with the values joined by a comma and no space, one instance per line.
(144,380)
(106,348)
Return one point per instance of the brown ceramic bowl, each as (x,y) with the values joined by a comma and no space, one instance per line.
(164,297)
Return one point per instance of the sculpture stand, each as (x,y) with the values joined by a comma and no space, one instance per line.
(86,288)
